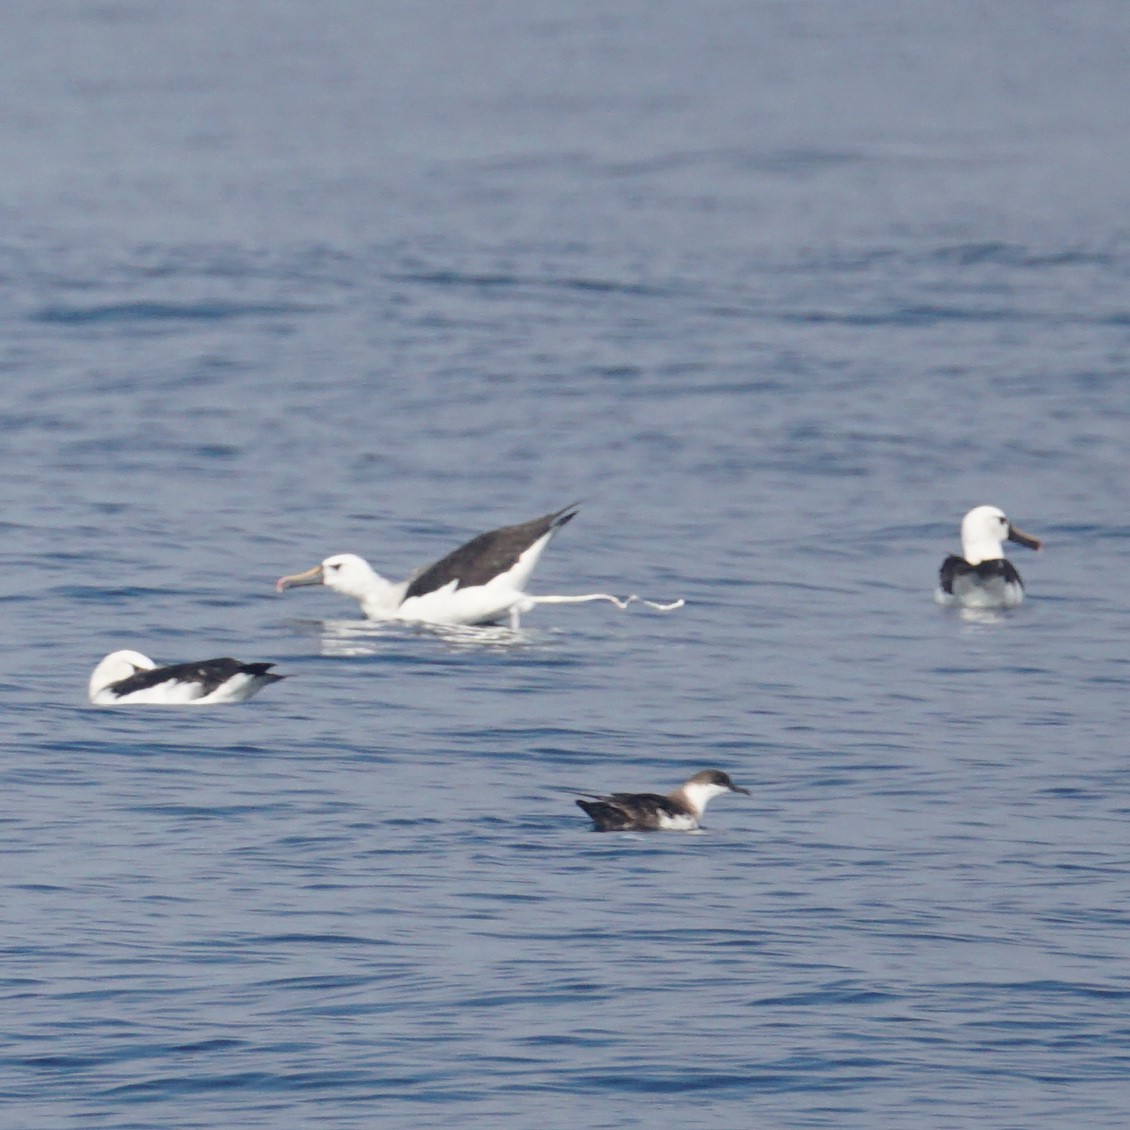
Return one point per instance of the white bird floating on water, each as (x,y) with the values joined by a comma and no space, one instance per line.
(982,577)
(481,582)
(126,678)
(679,811)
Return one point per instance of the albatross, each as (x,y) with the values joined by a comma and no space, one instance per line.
(982,577)
(126,678)
(678,811)
(482,582)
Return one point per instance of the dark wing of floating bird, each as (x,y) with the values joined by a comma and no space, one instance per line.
(489,555)
(955,569)
(207,674)
(621,812)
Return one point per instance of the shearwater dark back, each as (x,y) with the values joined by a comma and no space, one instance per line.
(779,292)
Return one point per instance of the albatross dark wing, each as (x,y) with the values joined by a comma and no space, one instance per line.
(488,555)
(954,568)
(209,673)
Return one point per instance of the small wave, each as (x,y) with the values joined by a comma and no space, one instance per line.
(912,315)
(485,281)
(117,312)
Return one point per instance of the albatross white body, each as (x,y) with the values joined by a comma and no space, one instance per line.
(128,678)
(450,603)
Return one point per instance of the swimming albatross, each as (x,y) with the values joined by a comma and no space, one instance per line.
(481,582)
(679,811)
(982,577)
(126,678)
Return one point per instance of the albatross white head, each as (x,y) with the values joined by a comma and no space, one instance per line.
(353,576)
(985,529)
(118,665)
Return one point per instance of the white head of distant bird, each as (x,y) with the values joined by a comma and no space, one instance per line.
(985,529)
(118,665)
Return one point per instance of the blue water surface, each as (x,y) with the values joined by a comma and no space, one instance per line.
(778,291)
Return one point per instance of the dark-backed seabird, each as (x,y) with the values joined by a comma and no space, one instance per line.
(481,582)
(982,577)
(679,811)
(128,677)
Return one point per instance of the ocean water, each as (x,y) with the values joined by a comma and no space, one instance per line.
(778,291)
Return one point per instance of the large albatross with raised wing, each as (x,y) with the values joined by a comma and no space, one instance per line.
(128,678)
(482,582)
(982,577)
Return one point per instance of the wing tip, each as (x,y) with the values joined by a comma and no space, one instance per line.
(565,514)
